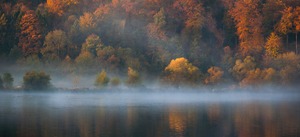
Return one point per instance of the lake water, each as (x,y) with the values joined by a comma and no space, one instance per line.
(155,114)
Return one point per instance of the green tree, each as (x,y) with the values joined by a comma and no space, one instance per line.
(7,81)
(33,80)
(102,80)
(181,71)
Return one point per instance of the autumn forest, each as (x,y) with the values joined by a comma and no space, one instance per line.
(178,42)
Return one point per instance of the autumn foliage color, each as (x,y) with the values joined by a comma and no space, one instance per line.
(181,71)
(30,38)
(247,42)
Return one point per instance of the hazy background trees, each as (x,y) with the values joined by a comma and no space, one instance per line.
(248,40)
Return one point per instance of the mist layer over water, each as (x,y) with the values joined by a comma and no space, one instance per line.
(149,114)
(68,99)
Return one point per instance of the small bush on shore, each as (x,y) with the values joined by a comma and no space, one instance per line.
(115,82)
(36,81)
(8,81)
(102,79)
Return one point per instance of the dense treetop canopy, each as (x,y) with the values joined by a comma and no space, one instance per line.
(217,38)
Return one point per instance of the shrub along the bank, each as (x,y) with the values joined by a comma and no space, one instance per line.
(8,81)
(102,79)
(36,81)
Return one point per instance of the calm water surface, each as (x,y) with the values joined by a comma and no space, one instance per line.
(149,115)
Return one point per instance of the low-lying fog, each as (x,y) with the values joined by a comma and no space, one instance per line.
(67,99)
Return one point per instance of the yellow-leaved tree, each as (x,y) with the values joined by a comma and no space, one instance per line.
(273,45)
(181,71)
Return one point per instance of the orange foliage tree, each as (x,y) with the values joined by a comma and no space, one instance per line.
(87,22)
(58,6)
(241,68)
(248,20)
(258,77)
(30,38)
(290,22)
(193,13)
(215,75)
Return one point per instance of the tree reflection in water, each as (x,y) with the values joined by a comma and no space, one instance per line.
(192,120)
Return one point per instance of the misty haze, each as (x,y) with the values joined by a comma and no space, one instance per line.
(149,68)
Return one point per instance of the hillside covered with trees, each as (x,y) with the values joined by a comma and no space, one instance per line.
(181,42)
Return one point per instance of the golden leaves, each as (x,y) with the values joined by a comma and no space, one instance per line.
(180,70)
(273,45)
